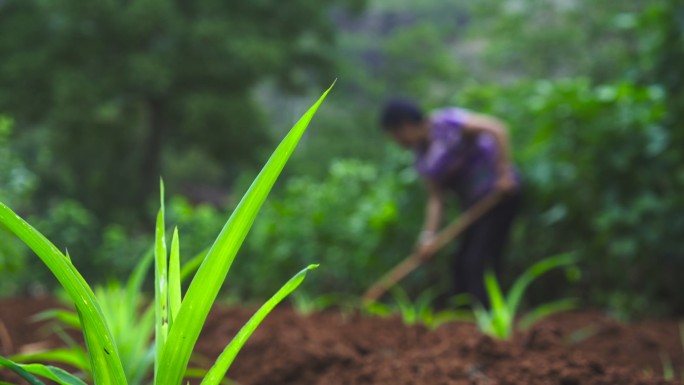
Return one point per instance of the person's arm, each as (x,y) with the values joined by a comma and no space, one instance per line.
(433,218)
(475,124)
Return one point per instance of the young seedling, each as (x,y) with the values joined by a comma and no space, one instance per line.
(178,320)
(499,320)
(419,311)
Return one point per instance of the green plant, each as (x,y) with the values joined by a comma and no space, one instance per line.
(178,320)
(131,326)
(350,218)
(131,322)
(305,304)
(420,311)
(499,320)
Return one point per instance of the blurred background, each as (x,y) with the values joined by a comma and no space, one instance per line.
(99,99)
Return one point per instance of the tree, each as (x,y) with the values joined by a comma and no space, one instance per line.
(113,88)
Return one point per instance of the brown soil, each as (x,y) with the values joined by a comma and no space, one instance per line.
(578,348)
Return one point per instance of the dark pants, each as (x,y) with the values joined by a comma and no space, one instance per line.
(482,246)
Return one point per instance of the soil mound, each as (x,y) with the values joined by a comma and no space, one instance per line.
(329,348)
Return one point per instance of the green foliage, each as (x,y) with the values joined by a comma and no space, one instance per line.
(499,320)
(17,181)
(307,304)
(131,325)
(176,327)
(594,104)
(348,220)
(600,176)
(153,80)
(27,371)
(16,185)
(420,311)
(598,39)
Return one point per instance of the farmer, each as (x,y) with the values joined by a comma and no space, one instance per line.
(468,154)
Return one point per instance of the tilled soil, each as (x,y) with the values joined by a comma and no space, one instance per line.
(577,348)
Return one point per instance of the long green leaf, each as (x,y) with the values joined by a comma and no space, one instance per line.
(200,373)
(174,278)
(30,378)
(545,310)
(137,278)
(483,319)
(160,283)
(502,321)
(60,376)
(75,356)
(218,371)
(67,317)
(191,266)
(210,277)
(534,272)
(104,357)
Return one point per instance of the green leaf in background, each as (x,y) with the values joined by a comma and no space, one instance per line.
(137,278)
(60,376)
(545,310)
(66,317)
(75,357)
(218,371)
(533,272)
(499,320)
(501,316)
(192,265)
(30,378)
(161,298)
(174,278)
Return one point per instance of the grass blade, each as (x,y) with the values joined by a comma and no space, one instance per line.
(211,274)
(160,283)
(192,265)
(483,319)
(104,357)
(135,282)
(546,310)
(534,272)
(60,376)
(30,378)
(218,371)
(69,318)
(501,315)
(174,278)
(75,357)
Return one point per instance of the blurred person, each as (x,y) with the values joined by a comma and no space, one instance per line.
(467,154)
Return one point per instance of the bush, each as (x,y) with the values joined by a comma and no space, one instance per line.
(601,179)
(353,221)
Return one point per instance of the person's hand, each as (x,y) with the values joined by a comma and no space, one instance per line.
(426,245)
(505,182)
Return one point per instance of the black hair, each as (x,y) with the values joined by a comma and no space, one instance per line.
(398,111)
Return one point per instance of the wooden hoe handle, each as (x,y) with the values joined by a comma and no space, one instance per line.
(450,232)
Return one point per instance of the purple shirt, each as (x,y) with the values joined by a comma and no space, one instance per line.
(465,165)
